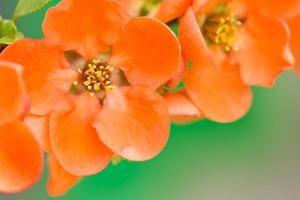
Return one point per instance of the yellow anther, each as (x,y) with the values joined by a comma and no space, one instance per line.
(96,61)
(87,83)
(96,87)
(98,73)
(221,29)
(109,88)
(95,76)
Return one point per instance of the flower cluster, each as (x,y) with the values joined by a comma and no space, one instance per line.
(109,76)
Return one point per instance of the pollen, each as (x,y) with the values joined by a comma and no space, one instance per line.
(95,76)
(221,29)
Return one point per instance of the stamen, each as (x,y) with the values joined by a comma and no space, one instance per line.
(221,28)
(148,6)
(95,77)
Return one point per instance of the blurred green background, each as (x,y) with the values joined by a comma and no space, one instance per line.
(255,158)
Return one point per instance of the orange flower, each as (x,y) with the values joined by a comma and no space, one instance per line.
(103,101)
(234,50)
(20,155)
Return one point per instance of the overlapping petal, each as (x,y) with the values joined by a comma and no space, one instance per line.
(191,39)
(263,53)
(20,158)
(59,181)
(147,51)
(39,127)
(134,122)
(11,85)
(179,75)
(277,8)
(171,9)
(87,27)
(41,66)
(181,108)
(217,89)
(198,4)
(74,141)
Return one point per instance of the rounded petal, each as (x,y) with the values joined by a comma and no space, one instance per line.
(88,27)
(170,9)
(219,92)
(134,122)
(263,53)
(13,97)
(74,141)
(40,65)
(216,89)
(21,160)
(59,180)
(148,52)
(277,8)
(294,25)
(181,108)
(39,127)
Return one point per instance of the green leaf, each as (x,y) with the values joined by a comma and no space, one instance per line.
(8,32)
(26,7)
(173,25)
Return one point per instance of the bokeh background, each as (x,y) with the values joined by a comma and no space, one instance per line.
(255,158)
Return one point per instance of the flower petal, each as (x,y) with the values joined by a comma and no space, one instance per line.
(294,25)
(148,52)
(131,6)
(263,53)
(171,9)
(39,127)
(191,39)
(85,26)
(216,89)
(277,8)
(181,108)
(197,4)
(39,62)
(179,75)
(59,181)
(219,92)
(134,122)
(21,160)
(73,139)
(13,97)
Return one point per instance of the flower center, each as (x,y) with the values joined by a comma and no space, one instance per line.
(220,28)
(148,6)
(95,77)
